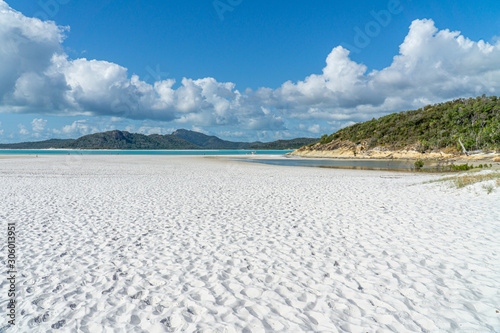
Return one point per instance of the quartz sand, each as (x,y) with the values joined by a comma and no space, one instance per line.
(193,244)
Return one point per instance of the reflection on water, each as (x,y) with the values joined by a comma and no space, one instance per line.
(406,165)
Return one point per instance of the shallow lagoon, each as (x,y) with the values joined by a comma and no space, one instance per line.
(403,165)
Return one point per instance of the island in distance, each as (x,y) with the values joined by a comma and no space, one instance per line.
(180,139)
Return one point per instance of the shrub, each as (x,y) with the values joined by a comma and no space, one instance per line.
(325,139)
(419,164)
(461,167)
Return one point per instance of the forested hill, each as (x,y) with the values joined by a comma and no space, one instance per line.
(125,140)
(474,121)
(208,142)
(180,139)
(213,142)
(46,144)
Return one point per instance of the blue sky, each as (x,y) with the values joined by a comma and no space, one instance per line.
(238,69)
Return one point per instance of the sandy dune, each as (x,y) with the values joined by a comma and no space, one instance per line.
(192,244)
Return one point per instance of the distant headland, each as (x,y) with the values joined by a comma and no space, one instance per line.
(180,139)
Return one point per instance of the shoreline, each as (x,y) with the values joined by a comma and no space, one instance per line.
(396,155)
(246,159)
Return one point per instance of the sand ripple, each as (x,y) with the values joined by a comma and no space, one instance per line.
(169,244)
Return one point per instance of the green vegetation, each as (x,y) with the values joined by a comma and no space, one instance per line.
(441,167)
(213,142)
(326,139)
(284,144)
(52,143)
(125,140)
(208,142)
(484,166)
(461,167)
(419,164)
(474,121)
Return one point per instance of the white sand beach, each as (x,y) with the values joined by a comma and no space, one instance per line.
(194,244)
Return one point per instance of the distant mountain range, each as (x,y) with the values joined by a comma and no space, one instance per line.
(180,139)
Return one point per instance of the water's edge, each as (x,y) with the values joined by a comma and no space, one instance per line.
(139,152)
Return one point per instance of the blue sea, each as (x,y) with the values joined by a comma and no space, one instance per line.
(139,152)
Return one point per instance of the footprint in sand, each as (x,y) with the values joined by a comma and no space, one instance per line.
(251,292)
(173,322)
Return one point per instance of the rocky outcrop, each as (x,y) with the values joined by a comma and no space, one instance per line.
(348,149)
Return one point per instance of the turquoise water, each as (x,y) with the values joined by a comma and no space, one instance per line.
(140,152)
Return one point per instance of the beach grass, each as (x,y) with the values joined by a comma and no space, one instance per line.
(465,179)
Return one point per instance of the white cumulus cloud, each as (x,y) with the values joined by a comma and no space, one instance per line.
(23,130)
(79,128)
(38,125)
(433,65)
